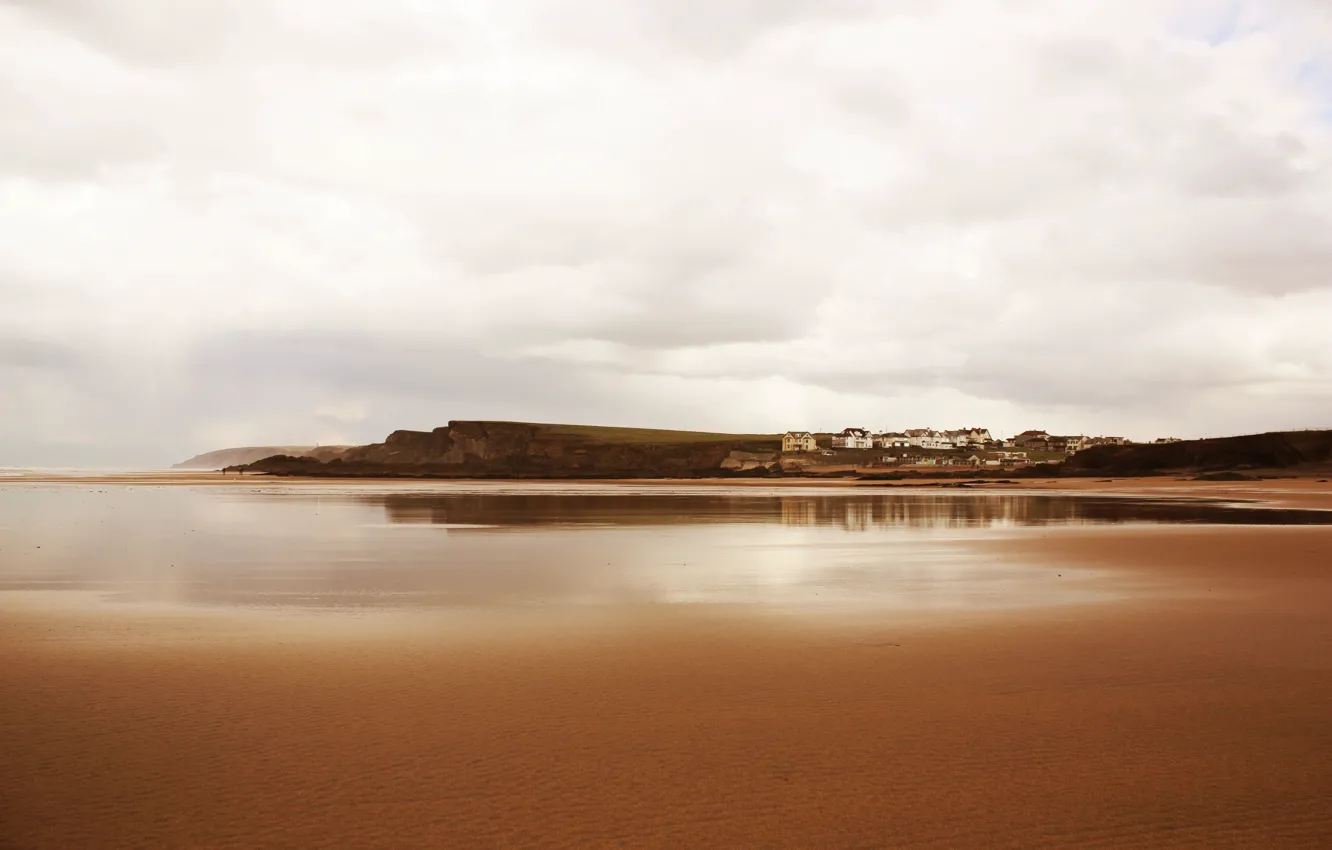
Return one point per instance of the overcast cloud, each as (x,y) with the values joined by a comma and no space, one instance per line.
(289,221)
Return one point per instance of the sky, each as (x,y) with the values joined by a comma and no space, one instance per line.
(318,221)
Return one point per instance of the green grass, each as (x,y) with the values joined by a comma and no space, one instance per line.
(609,434)
(1037,457)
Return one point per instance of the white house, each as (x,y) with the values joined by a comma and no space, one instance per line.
(799,441)
(891,440)
(853,438)
(1032,440)
(1106,441)
(969,437)
(916,435)
(978,436)
(928,438)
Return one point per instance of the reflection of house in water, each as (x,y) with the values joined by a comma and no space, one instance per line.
(859,514)
(851,512)
(799,511)
(937,510)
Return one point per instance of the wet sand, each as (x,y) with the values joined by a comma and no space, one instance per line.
(1198,716)
(1305,489)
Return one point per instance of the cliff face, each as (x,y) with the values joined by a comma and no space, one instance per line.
(516,449)
(1277,450)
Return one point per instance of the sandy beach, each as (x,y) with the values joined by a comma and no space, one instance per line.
(675,425)
(1194,715)
(1309,489)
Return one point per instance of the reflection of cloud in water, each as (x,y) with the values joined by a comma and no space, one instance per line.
(345,547)
(829,567)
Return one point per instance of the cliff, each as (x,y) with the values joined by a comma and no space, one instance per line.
(249,454)
(1274,450)
(521,450)
(481,449)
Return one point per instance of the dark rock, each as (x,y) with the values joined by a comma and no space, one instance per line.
(526,450)
(1275,450)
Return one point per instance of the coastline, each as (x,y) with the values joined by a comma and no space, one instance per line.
(1308,490)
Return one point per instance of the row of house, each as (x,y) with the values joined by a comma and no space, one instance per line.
(928,438)
(924,438)
(1041,441)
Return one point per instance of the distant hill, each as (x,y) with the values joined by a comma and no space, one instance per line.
(1273,450)
(249,454)
(523,449)
(487,449)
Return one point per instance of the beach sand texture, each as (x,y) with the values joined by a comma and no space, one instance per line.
(1196,717)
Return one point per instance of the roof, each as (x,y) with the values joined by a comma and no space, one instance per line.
(799,434)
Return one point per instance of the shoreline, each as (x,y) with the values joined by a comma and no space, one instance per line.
(1312,490)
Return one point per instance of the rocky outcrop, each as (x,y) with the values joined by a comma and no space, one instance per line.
(518,450)
(740,461)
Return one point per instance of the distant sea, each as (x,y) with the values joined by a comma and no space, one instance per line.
(78,472)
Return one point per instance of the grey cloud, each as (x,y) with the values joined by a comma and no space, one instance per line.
(708,29)
(1076,62)
(284,221)
(1260,245)
(181,35)
(677,326)
(1122,349)
(1217,160)
(142,30)
(35,142)
(879,103)
(694,274)
(679,242)
(39,354)
(715,28)
(401,384)
(264,367)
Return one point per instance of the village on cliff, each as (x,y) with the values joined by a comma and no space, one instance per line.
(928,447)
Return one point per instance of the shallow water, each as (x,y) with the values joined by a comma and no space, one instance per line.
(445,546)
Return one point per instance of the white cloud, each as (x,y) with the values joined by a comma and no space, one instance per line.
(221,218)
